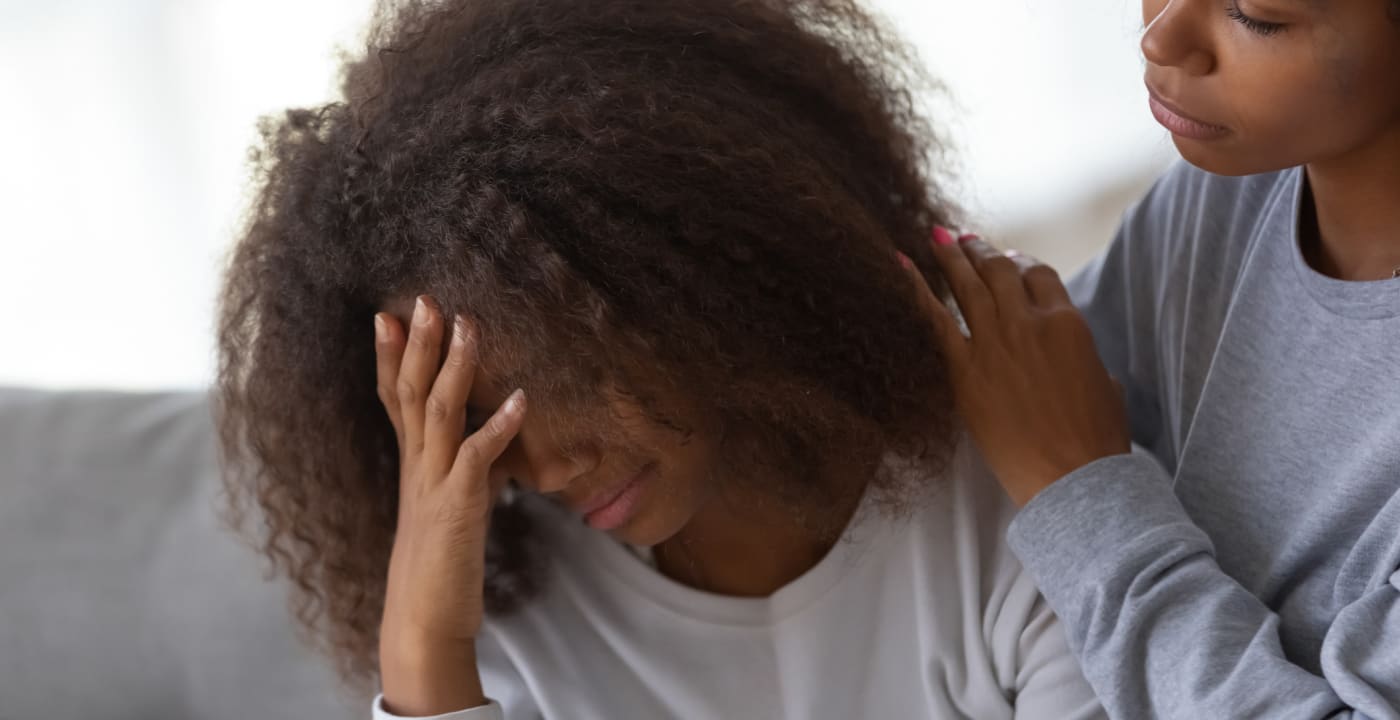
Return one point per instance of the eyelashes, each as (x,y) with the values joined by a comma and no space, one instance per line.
(1258,27)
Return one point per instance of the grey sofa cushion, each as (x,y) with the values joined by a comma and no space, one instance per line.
(121,593)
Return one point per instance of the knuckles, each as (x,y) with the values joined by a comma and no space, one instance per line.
(1042,273)
(407,393)
(470,455)
(998,265)
(435,409)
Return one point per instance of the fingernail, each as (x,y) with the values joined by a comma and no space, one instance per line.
(1013,253)
(381,329)
(904,261)
(969,237)
(459,331)
(942,236)
(420,311)
(516,402)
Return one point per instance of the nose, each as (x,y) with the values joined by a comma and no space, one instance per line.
(541,465)
(557,473)
(1176,35)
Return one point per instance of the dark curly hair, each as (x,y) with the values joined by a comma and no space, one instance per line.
(698,201)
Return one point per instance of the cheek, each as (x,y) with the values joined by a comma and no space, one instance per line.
(1323,96)
(685,487)
(1286,103)
(687,476)
(1286,112)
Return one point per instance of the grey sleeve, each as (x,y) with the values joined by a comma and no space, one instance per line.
(1046,680)
(1119,301)
(1159,628)
(1162,631)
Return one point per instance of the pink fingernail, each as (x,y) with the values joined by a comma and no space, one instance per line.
(969,237)
(942,236)
(904,261)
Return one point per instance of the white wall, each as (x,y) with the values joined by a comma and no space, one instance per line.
(124,128)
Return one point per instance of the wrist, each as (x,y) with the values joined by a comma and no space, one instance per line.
(422,678)
(1030,483)
(1023,492)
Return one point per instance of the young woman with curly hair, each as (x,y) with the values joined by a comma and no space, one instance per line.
(654,424)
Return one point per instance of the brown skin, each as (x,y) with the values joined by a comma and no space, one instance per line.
(1316,90)
(427,637)
(695,530)
(431,381)
(1032,427)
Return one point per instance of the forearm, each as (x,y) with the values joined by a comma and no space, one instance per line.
(1158,626)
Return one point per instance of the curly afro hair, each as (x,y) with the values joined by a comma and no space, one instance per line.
(698,201)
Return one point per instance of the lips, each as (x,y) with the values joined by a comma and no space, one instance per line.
(1178,122)
(617,510)
(600,500)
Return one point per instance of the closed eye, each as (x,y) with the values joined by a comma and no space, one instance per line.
(1258,27)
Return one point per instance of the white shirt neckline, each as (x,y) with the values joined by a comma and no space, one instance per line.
(862,534)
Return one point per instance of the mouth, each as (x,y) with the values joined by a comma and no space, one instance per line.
(612,508)
(1179,123)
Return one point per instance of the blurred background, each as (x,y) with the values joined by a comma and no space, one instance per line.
(126,125)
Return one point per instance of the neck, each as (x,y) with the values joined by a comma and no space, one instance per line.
(745,547)
(1355,228)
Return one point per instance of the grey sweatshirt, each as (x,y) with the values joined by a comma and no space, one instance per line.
(1251,569)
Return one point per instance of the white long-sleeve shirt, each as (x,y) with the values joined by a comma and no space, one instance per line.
(929,617)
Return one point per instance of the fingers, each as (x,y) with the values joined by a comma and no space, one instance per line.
(1043,284)
(472,466)
(416,372)
(445,410)
(974,299)
(989,283)
(949,333)
(388,355)
(999,273)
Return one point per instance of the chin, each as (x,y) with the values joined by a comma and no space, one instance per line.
(1220,158)
(649,528)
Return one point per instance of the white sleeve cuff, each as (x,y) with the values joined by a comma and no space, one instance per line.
(490,711)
